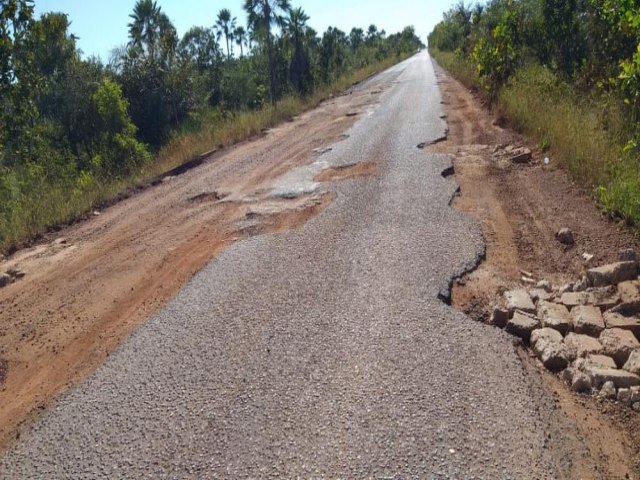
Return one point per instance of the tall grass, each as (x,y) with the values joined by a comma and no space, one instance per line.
(49,204)
(584,132)
(458,66)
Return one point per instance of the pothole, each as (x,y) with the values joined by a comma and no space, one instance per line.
(448,172)
(275,216)
(208,197)
(344,172)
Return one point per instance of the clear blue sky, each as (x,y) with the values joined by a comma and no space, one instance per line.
(102,26)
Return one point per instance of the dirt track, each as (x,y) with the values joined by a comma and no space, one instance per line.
(84,293)
(521,207)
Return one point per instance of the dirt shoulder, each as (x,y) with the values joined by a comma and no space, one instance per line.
(521,207)
(89,286)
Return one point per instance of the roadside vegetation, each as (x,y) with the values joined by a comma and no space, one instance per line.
(75,131)
(565,72)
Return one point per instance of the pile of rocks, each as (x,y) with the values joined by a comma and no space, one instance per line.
(588,330)
(512,154)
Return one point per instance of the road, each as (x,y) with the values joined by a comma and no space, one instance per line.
(321,352)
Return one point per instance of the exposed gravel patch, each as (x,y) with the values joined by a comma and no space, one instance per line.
(319,353)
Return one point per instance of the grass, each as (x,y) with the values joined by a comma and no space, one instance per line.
(585,133)
(49,205)
(462,69)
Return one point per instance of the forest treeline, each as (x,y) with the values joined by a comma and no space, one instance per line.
(70,127)
(564,71)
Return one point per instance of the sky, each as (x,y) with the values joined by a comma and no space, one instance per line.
(102,26)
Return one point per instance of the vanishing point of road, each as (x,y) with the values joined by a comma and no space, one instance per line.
(322,352)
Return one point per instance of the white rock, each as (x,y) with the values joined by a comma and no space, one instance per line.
(540,294)
(624,396)
(587,257)
(548,346)
(608,390)
(633,363)
(545,285)
(565,236)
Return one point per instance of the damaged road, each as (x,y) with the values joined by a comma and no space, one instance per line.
(540,230)
(317,352)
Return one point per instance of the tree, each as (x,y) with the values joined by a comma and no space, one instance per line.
(299,72)
(372,34)
(356,38)
(564,34)
(117,150)
(240,36)
(332,54)
(151,33)
(199,46)
(225,26)
(262,15)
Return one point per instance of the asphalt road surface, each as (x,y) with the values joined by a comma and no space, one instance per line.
(318,353)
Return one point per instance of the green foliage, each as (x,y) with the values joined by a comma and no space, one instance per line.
(496,56)
(120,152)
(564,35)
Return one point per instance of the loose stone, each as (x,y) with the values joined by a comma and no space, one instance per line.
(633,363)
(554,316)
(522,325)
(519,300)
(587,320)
(565,236)
(548,346)
(618,344)
(579,346)
(612,274)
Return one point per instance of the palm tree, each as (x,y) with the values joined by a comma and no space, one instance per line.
(225,26)
(356,38)
(262,15)
(372,33)
(294,27)
(240,35)
(143,27)
(150,28)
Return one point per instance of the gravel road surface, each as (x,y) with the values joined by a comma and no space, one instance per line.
(318,353)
